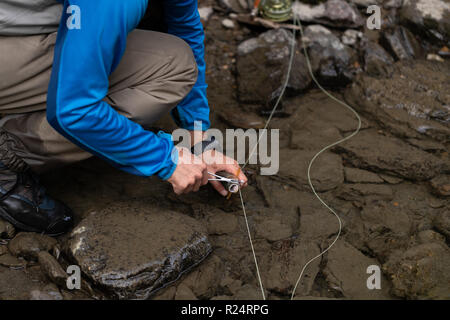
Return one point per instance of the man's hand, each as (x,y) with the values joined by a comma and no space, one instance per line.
(216,161)
(190,174)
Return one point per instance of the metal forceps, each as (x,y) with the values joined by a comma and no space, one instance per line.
(230,182)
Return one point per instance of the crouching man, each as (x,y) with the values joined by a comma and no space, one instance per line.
(77,79)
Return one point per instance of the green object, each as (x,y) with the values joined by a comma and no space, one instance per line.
(276,10)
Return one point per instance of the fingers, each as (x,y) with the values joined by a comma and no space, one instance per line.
(219,187)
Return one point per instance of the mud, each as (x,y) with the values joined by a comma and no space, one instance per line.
(389,185)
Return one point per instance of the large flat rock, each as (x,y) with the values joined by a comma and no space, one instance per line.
(133,249)
(383,154)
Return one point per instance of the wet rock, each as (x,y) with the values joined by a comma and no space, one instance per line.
(221,223)
(401,43)
(184,293)
(442,223)
(412,103)
(390,179)
(204,281)
(29,244)
(314,134)
(7,230)
(387,228)
(377,62)
(429,17)
(24,285)
(248,292)
(133,249)
(331,60)
(274,225)
(421,272)
(262,65)
(346,272)
(165,294)
(3,249)
(333,13)
(51,267)
(283,263)
(357,191)
(10,261)
(49,292)
(326,173)
(238,118)
(440,185)
(430,236)
(396,157)
(355,175)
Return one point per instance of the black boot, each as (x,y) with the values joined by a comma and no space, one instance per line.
(23,201)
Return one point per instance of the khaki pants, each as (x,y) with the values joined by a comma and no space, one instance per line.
(156,72)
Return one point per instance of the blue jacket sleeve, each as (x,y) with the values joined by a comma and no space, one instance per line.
(84,58)
(183,20)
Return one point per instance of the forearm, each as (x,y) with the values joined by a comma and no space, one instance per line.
(183,20)
(84,59)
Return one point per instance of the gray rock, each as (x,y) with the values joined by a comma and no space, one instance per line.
(3,249)
(228,23)
(331,59)
(355,175)
(184,293)
(401,43)
(365,3)
(393,4)
(10,261)
(351,37)
(377,62)
(24,285)
(430,17)
(237,6)
(29,244)
(326,174)
(346,272)
(421,272)
(205,13)
(412,103)
(262,65)
(51,268)
(441,185)
(390,155)
(283,263)
(442,223)
(333,13)
(133,249)
(387,228)
(49,292)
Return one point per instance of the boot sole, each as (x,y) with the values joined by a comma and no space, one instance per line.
(20,225)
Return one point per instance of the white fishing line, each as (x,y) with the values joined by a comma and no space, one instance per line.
(297,21)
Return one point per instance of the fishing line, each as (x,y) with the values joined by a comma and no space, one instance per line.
(298,23)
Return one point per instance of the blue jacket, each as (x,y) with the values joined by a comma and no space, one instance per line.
(85,58)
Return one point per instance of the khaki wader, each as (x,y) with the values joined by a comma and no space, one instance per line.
(156,72)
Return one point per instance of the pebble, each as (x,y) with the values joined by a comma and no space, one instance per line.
(228,23)
(434,57)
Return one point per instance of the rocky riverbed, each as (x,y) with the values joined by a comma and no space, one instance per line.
(390,184)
